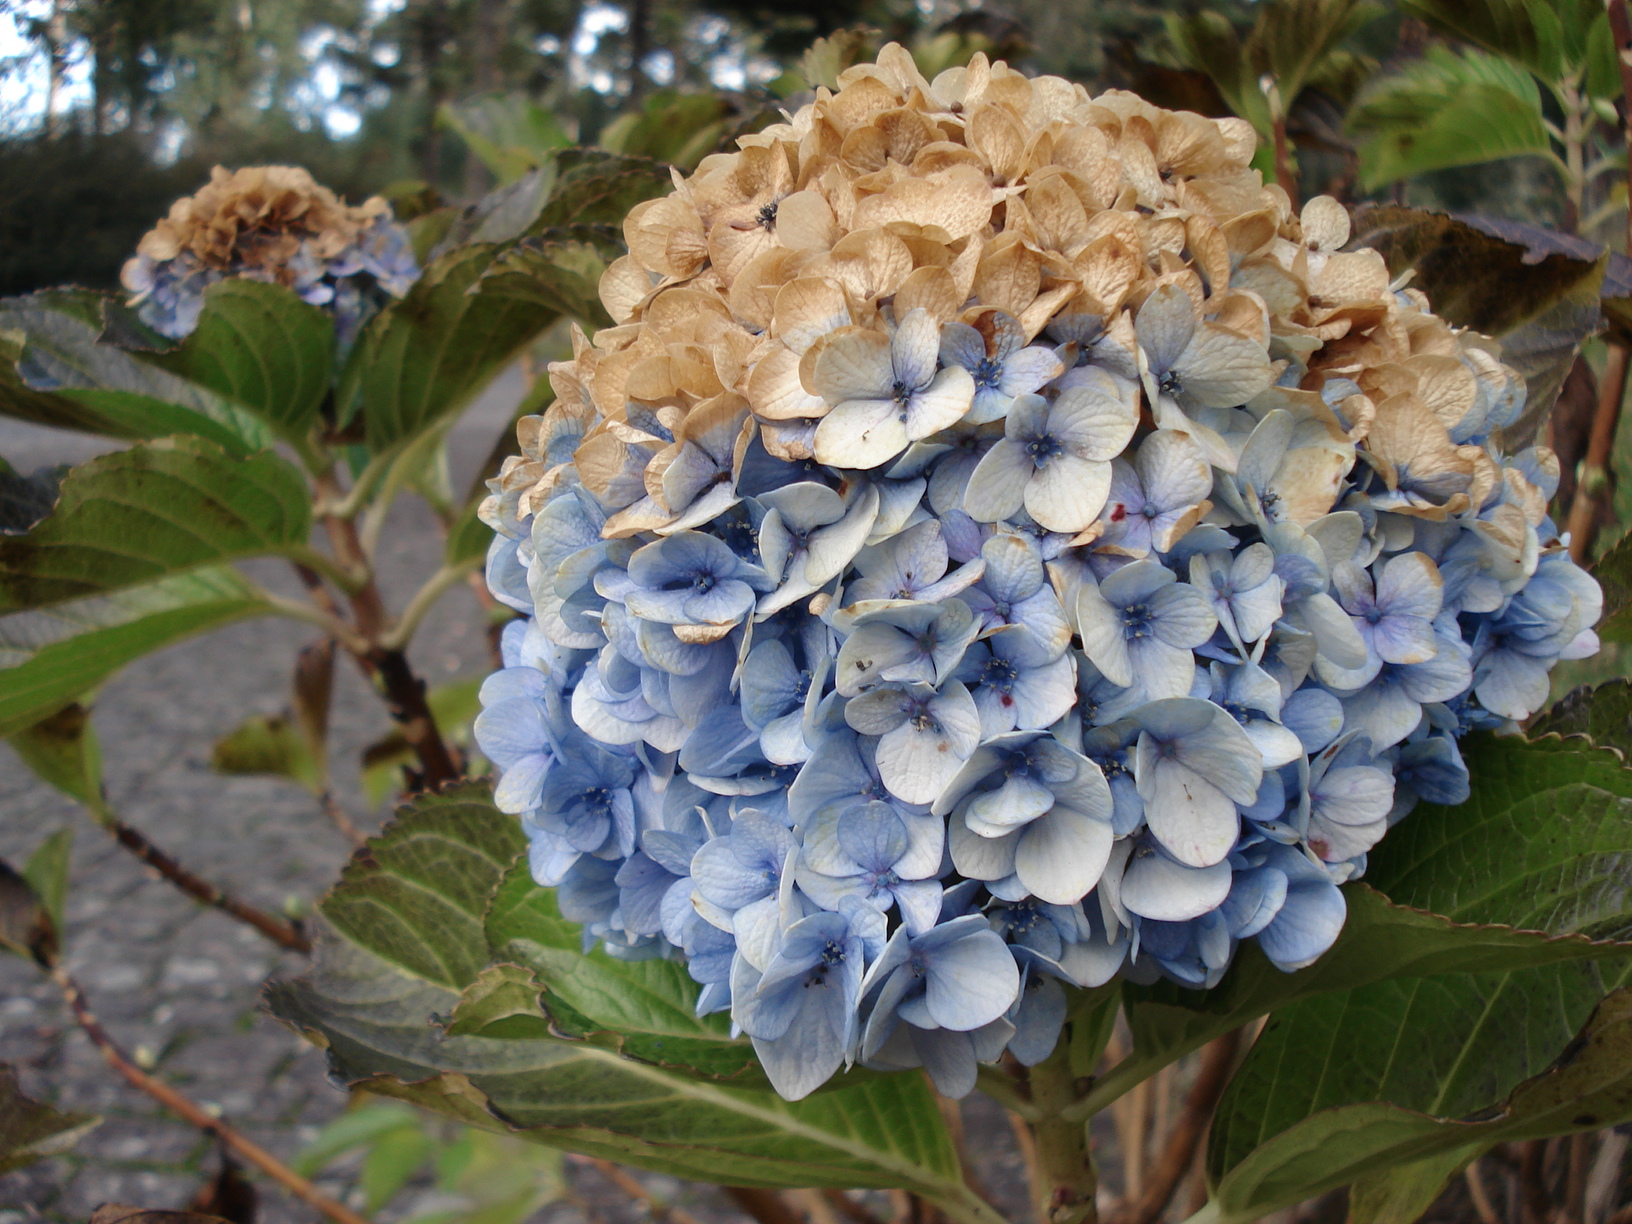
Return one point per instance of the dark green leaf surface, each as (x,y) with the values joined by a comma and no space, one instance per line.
(57,369)
(1544,843)
(1474,275)
(260,346)
(596,187)
(25,500)
(1401,1194)
(1603,714)
(1529,872)
(47,872)
(407,1005)
(51,656)
(884,1131)
(1460,1062)
(64,752)
(138,515)
(416,894)
(1614,573)
(30,1131)
(424,357)
(649,1004)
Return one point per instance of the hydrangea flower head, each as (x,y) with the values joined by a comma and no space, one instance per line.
(270,223)
(1000,545)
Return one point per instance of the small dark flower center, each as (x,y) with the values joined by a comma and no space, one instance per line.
(987,373)
(1136,621)
(767,215)
(1042,449)
(999,674)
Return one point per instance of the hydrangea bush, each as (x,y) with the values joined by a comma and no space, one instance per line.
(1000,544)
(274,224)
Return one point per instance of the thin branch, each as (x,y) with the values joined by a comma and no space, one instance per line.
(1533,1204)
(388,670)
(1180,1151)
(1582,523)
(1482,1206)
(631,1186)
(279,930)
(1575,1179)
(424,599)
(1605,1178)
(192,1113)
(342,821)
(311,614)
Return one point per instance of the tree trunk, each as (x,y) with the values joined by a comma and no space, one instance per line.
(56,48)
(488,40)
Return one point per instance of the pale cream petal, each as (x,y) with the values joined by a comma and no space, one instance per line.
(861,434)
(1325,224)
(1067,493)
(775,391)
(854,364)
(805,222)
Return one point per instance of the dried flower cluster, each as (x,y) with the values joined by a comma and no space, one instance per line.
(1000,544)
(270,223)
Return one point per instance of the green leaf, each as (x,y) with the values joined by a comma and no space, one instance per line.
(424,357)
(1447,109)
(417,894)
(1520,30)
(885,1131)
(1401,1194)
(63,750)
(1614,574)
(385,1000)
(510,133)
(47,872)
(154,510)
(260,346)
(51,656)
(26,926)
(649,1004)
(1602,714)
(1395,1073)
(390,1162)
(469,537)
(1544,842)
(1207,42)
(595,187)
(25,500)
(560,276)
(1294,39)
(680,129)
(56,368)
(502,1179)
(353,1129)
(1534,869)
(30,1131)
(1479,272)
(269,744)
(503,1001)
